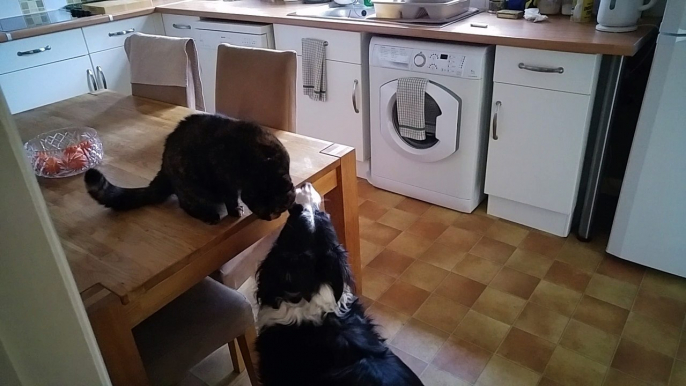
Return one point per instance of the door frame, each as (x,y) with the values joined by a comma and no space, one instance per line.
(45,335)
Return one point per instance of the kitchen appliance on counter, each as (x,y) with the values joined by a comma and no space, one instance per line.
(621,15)
(650,221)
(447,167)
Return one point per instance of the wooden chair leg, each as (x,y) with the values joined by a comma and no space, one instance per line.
(246,342)
(236,360)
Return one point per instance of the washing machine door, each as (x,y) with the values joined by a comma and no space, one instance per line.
(442,114)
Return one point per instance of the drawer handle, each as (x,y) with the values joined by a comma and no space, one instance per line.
(92,83)
(101,77)
(355,83)
(495,120)
(124,32)
(36,51)
(549,70)
(181,26)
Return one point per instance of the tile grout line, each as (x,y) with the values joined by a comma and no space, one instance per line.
(614,353)
(681,336)
(470,308)
(557,344)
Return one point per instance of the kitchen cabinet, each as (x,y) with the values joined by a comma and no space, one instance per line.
(42,85)
(44,69)
(344,116)
(538,135)
(52,67)
(339,118)
(112,70)
(106,49)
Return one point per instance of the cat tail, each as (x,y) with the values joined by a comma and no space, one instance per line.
(117,198)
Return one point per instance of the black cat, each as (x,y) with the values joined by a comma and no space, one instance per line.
(209,160)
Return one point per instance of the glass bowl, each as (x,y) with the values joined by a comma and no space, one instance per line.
(64,152)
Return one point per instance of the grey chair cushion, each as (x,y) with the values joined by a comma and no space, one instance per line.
(192,326)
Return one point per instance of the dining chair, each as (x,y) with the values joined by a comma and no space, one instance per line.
(165,69)
(258,85)
(194,325)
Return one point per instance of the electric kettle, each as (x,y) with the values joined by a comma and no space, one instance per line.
(620,15)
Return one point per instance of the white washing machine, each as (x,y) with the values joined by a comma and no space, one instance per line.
(447,168)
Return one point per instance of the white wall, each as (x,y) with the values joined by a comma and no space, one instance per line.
(43,325)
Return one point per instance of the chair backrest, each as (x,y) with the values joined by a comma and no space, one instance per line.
(165,69)
(257,85)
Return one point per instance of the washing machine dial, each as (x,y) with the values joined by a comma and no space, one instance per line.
(419,60)
(433,66)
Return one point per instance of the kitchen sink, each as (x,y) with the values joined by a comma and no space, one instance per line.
(353,12)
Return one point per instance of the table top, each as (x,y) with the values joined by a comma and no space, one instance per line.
(129,252)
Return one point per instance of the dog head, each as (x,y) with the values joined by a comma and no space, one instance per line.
(306,256)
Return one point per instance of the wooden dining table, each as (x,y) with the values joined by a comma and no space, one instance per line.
(128,265)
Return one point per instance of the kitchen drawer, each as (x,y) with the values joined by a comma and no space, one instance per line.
(62,45)
(42,85)
(575,73)
(110,35)
(342,46)
(180,26)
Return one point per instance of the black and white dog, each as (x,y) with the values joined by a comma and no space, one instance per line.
(313,330)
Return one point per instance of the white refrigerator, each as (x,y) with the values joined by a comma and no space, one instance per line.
(650,224)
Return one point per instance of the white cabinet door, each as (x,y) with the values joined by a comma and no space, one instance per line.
(42,85)
(112,70)
(336,120)
(537,157)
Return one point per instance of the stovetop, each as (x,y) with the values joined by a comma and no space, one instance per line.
(16,23)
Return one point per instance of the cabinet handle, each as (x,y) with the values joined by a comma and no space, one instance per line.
(549,70)
(495,120)
(355,83)
(90,78)
(101,77)
(124,32)
(35,51)
(181,26)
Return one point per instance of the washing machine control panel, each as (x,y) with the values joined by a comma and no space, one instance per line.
(428,61)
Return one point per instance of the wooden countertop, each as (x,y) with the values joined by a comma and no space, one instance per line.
(558,34)
(76,23)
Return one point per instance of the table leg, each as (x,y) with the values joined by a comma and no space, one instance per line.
(116,342)
(603,116)
(341,203)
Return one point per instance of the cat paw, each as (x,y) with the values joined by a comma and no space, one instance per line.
(238,211)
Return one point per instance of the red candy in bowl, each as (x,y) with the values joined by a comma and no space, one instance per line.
(64,152)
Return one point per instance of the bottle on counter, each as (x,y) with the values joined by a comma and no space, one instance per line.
(567,7)
(583,11)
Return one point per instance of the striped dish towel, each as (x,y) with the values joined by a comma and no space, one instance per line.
(314,69)
(410,101)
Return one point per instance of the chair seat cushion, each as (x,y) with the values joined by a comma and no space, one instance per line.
(192,326)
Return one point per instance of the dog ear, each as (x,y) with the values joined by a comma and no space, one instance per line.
(338,272)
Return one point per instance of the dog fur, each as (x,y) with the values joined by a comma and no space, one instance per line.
(313,329)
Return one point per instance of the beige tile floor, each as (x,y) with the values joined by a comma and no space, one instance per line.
(468,299)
